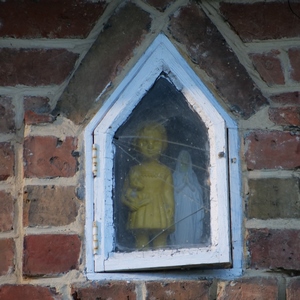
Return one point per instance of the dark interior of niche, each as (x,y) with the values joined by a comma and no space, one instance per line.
(164,104)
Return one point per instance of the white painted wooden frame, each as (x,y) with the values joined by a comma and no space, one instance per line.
(226,243)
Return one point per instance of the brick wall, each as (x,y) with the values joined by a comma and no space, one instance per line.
(56,57)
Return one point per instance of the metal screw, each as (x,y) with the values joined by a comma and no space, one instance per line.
(221,154)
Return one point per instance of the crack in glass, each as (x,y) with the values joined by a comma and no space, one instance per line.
(161,175)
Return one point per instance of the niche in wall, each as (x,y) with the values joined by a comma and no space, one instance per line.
(167,173)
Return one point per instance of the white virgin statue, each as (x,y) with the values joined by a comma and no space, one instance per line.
(189,210)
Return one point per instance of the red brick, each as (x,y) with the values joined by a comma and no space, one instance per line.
(294,55)
(6,256)
(49,18)
(292,98)
(32,118)
(7,160)
(256,21)
(50,254)
(37,104)
(293,289)
(6,211)
(188,290)
(274,198)
(105,60)
(50,205)
(27,292)
(37,110)
(114,290)
(7,115)
(274,248)
(35,67)
(160,5)
(48,156)
(207,48)
(285,115)
(269,67)
(249,289)
(272,150)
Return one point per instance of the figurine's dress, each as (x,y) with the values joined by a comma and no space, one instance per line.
(158,213)
(189,212)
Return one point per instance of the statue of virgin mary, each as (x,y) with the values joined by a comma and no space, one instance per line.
(189,210)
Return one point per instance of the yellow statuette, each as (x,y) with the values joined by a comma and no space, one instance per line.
(148,190)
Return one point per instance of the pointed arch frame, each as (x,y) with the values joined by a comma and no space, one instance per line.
(226,248)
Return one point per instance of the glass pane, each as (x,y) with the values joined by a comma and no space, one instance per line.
(161,192)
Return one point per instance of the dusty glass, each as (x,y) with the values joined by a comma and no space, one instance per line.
(161,174)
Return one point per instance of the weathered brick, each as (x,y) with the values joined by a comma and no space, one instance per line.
(292,98)
(249,289)
(32,118)
(27,292)
(50,205)
(285,115)
(188,290)
(48,18)
(50,254)
(274,248)
(293,289)
(35,67)
(272,150)
(269,67)
(37,110)
(6,211)
(208,49)
(7,160)
(109,54)
(160,5)
(7,114)
(274,198)
(253,21)
(37,104)
(48,156)
(110,290)
(6,256)
(294,55)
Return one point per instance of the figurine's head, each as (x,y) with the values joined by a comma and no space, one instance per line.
(151,140)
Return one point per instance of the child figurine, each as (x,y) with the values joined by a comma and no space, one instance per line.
(148,190)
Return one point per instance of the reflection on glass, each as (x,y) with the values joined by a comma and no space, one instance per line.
(161,194)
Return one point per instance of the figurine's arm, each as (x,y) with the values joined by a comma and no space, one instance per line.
(129,200)
(179,186)
(190,184)
(137,201)
(126,191)
(132,198)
